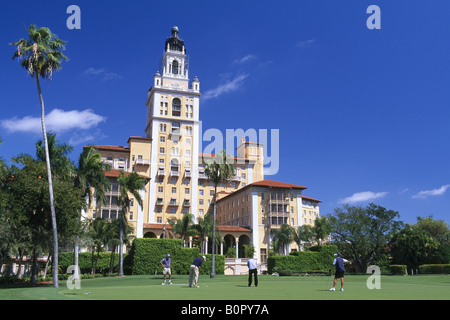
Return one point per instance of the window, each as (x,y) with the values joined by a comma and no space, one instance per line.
(186,191)
(176,108)
(162,150)
(174,190)
(162,139)
(160,189)
(175,67)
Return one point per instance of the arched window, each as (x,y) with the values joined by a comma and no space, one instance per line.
(175,67)
(176,107)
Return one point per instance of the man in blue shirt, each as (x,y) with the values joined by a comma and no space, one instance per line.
(252,270)
(166,268)
(339,262)
(194,270)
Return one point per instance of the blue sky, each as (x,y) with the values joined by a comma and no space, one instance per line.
(363,115)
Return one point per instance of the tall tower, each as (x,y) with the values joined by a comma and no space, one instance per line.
(173,125)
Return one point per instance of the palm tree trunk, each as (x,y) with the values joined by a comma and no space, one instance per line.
(50,188)
(213,258)
(76,250)
(121,243)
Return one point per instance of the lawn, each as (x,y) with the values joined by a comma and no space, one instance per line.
(424,287)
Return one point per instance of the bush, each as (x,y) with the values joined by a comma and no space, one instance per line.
(146,254)
(65,259)
(398,269)
(434,269)
(303,261)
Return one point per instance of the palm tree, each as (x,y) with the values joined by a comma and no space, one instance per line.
(283,237)
(90,175)
(60,163)
(204,229)
(183,226)
(218,170)
(40,55)
(99,231)
(302,234)
(129,183)
(321,229)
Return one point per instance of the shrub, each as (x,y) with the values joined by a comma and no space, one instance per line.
(398,269)
(146,254)
(303,261)
(434,268)
(65,259)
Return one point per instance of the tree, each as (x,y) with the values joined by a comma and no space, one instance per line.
(90,175)
(204,229)
(218,171)
(303,234)
(321,229)
(412,246)
(282,238)
(184,226)
(129,184)
(40,55)
(365,231)
(60,163)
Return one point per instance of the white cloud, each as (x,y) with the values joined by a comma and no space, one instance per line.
(102,73)
(93,71)
(434,192)
(227,87)
(57,120)
(363,196)
(306,43)
(244,59)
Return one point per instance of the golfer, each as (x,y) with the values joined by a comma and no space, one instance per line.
(166,268)
(252,270)
(339,262)
(194,270)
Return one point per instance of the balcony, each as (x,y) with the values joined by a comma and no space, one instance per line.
(236,178)
(145,162)
(173,203)
(174,173)
(161,172)
(187,173)
(159,202)
(186,203)
(175,133)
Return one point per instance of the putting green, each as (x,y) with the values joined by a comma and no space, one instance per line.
(424,287)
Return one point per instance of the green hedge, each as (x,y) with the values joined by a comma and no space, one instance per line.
(65,259)
(398,269)
(146,254)
(434,269)
(303,261)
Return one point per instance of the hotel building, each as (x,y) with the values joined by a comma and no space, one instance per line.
(169,157)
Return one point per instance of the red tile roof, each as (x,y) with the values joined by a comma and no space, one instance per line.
(311,199)
(139,138)
(113,173)
(113,148)
(159,226)
(276,184)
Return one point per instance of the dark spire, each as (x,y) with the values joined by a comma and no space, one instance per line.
(174,42)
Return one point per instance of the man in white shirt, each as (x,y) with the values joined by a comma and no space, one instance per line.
(252,270)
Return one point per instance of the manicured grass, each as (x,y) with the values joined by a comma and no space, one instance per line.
(424,287)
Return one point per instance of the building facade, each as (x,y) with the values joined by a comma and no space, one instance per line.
(169,157)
